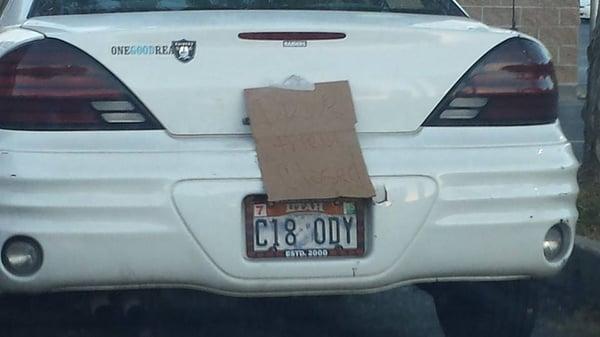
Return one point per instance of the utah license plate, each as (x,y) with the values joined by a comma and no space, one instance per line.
(304,229)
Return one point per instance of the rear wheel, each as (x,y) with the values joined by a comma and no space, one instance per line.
(490,309)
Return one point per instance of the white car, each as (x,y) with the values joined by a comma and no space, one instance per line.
(585,9)
(125,161)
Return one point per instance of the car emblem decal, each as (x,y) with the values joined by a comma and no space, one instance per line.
(294,43)
(184,50)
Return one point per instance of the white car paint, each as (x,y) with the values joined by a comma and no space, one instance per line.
(585,9)
(15,12)
(411,79)
(154,208)
(144,208)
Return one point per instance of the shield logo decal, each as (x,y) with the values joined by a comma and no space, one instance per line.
(184,50)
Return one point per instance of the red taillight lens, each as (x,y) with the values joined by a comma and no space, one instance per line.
(291,36)
(514,84)
(51,85)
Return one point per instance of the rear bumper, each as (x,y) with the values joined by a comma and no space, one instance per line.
(145,209)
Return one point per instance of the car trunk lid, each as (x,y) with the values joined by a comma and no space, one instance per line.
(399,65)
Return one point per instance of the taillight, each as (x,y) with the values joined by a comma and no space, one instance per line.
(51,85)
(514,84)
(291,36)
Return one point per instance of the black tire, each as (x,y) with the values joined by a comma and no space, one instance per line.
(486,309)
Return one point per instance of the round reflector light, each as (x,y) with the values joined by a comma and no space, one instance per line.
(553,243)
(22,256)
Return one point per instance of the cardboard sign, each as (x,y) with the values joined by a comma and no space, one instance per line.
(306,143)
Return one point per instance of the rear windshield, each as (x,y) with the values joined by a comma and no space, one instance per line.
(63,7)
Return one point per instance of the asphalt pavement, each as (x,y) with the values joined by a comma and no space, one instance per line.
(406,311)
(401,312)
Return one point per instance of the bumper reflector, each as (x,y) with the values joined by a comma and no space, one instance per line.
(22,256)
(554,242)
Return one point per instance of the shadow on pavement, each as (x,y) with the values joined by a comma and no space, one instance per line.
(181,313)
(405,311)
